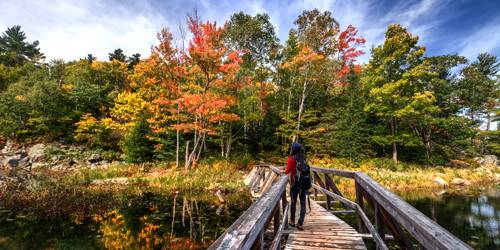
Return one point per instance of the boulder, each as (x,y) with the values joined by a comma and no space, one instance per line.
(460,182)
(490,160)
(94,158)
(36,153)
(457,164)
(24,162)
(8,147)
(12,160)
(440,181)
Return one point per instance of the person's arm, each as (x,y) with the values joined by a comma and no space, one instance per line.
(290,164)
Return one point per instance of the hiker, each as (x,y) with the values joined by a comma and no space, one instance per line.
(300,182)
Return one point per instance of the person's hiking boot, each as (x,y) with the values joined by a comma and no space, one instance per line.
(299,227)
(291,223)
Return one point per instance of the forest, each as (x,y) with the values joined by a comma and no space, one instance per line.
(234,89)
(150,151)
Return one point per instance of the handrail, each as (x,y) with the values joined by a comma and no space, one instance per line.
(427,232)
(339,172)
(390,209)
(243,233)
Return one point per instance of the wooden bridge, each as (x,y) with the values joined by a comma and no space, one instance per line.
(265,224)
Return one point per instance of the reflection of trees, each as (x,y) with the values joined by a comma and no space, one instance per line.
(152,221)
(131,220)
(473,219)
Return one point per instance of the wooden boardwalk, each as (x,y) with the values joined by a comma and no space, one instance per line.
(268,216)
(323,230)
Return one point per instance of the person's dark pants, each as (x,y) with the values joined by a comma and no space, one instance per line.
(294,191)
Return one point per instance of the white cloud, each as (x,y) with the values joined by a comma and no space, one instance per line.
(486,39)
(70,30)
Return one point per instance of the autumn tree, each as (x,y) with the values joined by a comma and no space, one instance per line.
(207,96)
(307,68)
(254,36)
(319,58)
(160,78)
(318,31)
(397,75)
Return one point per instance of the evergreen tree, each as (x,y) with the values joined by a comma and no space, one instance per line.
(14,50)
(90,58)
(133,60)
(117,54)
(350,135)
(137,146)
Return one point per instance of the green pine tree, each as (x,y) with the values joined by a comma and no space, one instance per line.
(137,146)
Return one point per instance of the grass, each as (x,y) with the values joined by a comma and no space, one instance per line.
(209,176)
(405,179)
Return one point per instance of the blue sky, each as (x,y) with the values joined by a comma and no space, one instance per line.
(71,29)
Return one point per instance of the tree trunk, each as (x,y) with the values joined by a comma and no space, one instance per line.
(228,145)
(394,146)
(201,147)
(186,162)
(301,109)
(428,146)
(177,140)
(222,146)
(488,121)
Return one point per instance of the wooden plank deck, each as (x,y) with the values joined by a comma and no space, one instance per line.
(323,230)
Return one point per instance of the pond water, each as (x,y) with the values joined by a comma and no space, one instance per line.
(475,219)
(147,220)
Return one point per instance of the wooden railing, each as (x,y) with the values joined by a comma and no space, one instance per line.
(390,212)
(409,227)
(247,232)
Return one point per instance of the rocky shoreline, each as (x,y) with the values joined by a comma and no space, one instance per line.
(19,161)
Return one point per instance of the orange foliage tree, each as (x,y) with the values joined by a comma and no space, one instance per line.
(207,97)
(348,47)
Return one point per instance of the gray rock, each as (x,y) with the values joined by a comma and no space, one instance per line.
(24,162)
(36,153)
(8,148)
(94,158)
(12,160)
(460,182)
(486,160)
(490,159)
(440,181)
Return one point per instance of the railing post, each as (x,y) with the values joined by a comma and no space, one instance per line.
(276,222)
(284,202)
(360,202)
(379,221)
(321,184)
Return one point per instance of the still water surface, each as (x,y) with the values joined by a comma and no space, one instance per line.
(475,219)
(138,221)
(151,220)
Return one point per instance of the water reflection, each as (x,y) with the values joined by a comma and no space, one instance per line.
(140,221)
(474,219)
